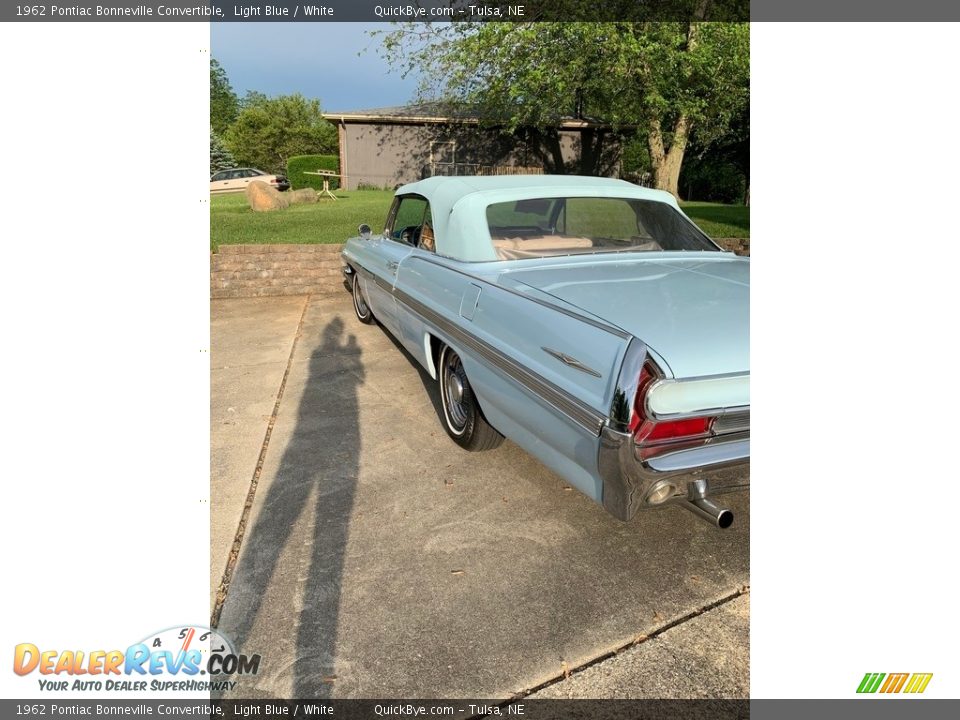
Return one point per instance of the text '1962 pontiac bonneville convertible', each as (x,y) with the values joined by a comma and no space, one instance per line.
(586,319)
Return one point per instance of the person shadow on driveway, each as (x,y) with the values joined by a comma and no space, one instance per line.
(294,554)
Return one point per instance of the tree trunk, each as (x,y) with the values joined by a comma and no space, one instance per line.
(546,146)
(592,149)
(667,163)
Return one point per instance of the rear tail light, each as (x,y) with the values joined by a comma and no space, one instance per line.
(654,437)
(674,429)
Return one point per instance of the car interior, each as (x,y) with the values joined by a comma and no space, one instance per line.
(545,227)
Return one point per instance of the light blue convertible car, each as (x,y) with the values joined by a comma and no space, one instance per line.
(586,319)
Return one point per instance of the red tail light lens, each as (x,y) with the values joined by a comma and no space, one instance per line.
(647,376)
(665,433)
(671,429)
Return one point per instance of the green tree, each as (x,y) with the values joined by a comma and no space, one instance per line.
(659,80)
(220,157)
(252,98)
(271,130)
(223,101)
(720,170)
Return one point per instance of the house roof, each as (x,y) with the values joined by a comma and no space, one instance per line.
(436,113)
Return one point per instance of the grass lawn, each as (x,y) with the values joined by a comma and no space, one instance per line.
(232,222)
(719,221)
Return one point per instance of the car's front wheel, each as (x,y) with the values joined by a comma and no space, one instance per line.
(364,314)
(463,419)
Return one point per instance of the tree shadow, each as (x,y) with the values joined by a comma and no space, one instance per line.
(390,155)
(295,551)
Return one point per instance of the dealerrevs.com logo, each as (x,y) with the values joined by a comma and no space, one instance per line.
(183,659)
(912,683)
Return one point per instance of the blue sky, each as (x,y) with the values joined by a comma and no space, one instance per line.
(318,60)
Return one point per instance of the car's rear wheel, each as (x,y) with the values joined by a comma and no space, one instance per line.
(360,307)
(463,420)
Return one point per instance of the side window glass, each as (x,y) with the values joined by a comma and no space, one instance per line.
(408,219)
(427,238)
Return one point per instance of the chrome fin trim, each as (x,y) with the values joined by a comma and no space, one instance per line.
(571,361)
(624,392)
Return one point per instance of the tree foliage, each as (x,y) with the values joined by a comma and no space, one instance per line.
(252,98)
(220,157)
(662,80)
(720,171)
(271,130)
(223,101)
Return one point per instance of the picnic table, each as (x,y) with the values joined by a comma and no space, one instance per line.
(326,175)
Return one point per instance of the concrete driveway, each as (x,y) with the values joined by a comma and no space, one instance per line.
(378,559)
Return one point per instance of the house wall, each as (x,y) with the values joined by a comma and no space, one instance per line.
(387,155)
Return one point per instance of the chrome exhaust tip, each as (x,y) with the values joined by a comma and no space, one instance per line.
(708,510)
(704,508)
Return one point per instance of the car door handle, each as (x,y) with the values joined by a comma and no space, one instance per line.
(392,265)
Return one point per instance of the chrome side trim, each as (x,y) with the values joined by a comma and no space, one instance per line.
(574,408)
(363,272)
(570,361)
(367,275)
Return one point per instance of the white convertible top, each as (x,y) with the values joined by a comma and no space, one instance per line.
(458,204)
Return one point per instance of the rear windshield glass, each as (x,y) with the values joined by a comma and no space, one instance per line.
(545,227)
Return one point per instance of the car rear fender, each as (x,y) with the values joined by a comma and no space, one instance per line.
(543,376)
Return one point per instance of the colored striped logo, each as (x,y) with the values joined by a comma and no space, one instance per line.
(894,682)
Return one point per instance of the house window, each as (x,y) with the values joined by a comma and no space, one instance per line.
(443,158)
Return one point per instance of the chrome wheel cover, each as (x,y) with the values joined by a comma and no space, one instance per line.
(359,303)
(453,381)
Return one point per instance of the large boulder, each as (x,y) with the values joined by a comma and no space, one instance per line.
(263,198)
(306,195)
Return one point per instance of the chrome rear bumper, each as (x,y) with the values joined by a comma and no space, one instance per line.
(629,481)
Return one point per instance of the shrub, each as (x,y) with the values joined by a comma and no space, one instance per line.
(298,166)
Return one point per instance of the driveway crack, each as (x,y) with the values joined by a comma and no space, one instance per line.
(224,587)
(566,673)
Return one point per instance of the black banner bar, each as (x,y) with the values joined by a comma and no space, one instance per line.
(524,709)
(376,11)
(476,11)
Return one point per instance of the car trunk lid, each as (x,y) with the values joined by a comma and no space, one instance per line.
(694,312)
